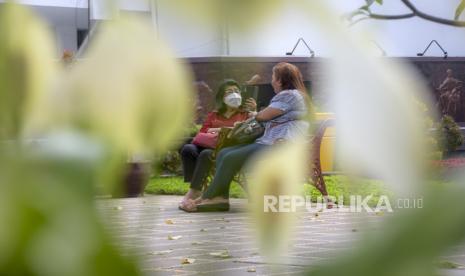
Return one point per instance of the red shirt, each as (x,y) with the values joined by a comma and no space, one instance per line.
(215,120)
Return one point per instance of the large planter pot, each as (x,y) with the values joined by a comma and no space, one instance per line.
(135,179)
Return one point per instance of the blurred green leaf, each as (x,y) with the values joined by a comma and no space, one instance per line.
(448,265)
(370,2)
(459,9)
(49,222)
(365,8)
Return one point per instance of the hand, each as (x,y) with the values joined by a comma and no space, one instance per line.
(254,80)
(252,114)
(250,104)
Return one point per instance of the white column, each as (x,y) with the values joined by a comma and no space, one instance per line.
(154,15)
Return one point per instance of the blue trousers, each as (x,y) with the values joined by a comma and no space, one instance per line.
(228,163)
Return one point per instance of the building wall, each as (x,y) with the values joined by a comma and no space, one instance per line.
(187,35)
(54,3)
(213,70)
(194,33)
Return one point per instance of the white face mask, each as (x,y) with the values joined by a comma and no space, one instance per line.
(233,100)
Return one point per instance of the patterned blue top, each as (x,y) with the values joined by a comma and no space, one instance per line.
(289,125)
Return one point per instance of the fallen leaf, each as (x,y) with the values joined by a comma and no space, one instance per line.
(174,237)
(220,254)
(198,243)
(163,252)
(119,208)
(251,269)
(187,261)
(169,221)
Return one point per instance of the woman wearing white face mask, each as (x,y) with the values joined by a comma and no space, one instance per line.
(284,120)
(233,99)
(196,157)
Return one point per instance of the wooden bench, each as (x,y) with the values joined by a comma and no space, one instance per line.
(316,174)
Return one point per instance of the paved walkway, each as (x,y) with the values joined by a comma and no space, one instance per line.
(171,242)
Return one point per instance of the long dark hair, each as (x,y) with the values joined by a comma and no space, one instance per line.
(220,105)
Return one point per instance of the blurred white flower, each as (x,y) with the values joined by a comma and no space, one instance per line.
(129,91)
(26,66)
(279,170)
(380,130)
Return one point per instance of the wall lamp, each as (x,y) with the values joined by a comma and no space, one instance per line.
(312,53)
(429,45)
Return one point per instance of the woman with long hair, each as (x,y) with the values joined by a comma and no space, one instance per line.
(196,156)
(284,121)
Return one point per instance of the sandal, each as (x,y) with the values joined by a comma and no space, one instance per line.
(213,205)
(330,204)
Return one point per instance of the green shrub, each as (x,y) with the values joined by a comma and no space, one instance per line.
(450,137)
(170,162)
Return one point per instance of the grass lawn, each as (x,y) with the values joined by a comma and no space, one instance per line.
(336,186)
(175,186)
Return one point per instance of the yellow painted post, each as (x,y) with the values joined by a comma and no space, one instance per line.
(327,143)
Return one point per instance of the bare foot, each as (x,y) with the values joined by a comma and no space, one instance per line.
(192,194)
(193,205)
